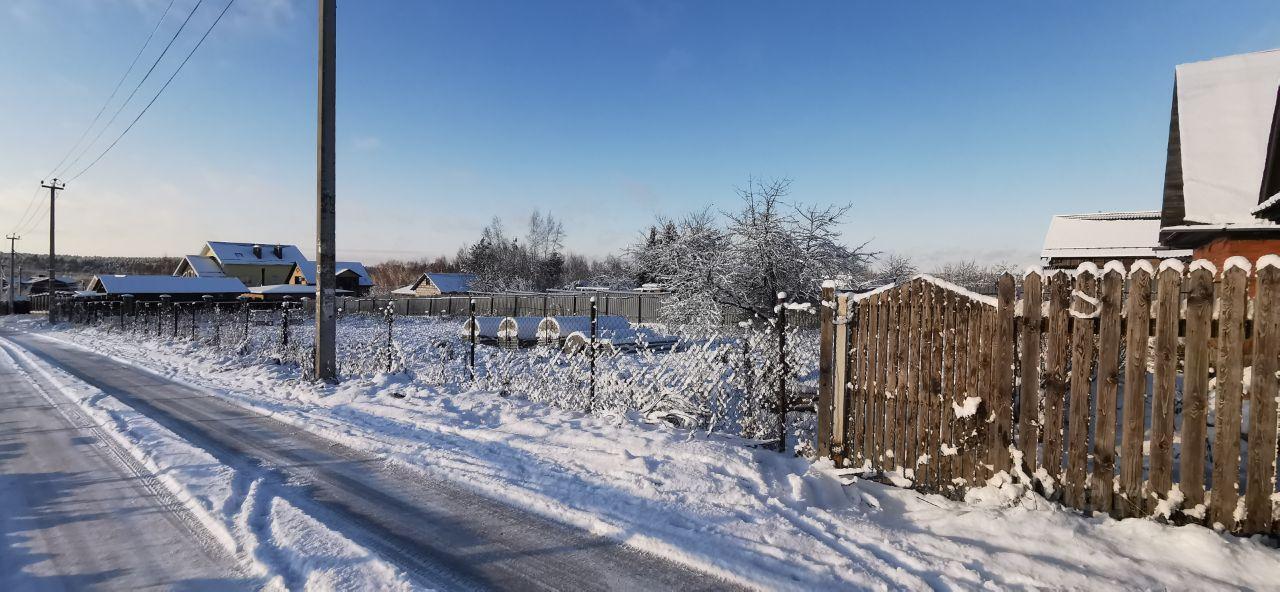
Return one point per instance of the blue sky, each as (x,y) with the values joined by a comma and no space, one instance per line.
(954,129)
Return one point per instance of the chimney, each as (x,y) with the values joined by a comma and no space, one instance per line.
(257,251)
(278,251)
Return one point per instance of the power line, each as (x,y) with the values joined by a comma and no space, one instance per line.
(115,90)
(159,92)
(26,211)
(138,86)
(35,220)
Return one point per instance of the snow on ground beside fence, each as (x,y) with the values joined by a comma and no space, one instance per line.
(710,500)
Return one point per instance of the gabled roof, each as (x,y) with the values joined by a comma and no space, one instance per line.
(447,283)
(1106,235)
(1220,128)
(201,265)
(242,253)
(308,269)
(165,284)
(290,290)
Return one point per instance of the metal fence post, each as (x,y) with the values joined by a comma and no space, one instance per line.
(591,401)
(471,334)
(783,402)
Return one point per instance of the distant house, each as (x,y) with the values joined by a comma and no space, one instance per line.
(179,288)
(1098,238)
(1222,170)
(40,284)
(252,263)
(352,277)
(258,264)
(436,284)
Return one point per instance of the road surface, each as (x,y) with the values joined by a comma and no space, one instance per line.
(440,534)
(77,512)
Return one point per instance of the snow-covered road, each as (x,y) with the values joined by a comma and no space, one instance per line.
(77,511)
(439,534)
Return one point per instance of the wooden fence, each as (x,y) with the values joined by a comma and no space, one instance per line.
(1094,387)
(637,308)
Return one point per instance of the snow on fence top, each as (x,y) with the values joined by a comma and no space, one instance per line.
(609,328)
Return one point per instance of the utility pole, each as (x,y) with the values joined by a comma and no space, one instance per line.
(11,238)
(53,188)
(326,367)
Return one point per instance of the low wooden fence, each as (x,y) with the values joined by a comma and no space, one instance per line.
(1096,387)
(637,308)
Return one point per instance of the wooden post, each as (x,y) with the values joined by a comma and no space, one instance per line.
(1195,386)
(1029,364)
(1057,344)
(1168,305)
(1262,401)
(826,352)
(1133,415)
(1104,427)
(840,380)
(1002,392)
(1230,375)
(326,365)
(1082,342)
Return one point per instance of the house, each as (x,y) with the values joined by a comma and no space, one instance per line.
(40,284)
(179,288)
(1222,173)
(1126,237)
(352,277)
(436,284)
(252,263)
(259,264)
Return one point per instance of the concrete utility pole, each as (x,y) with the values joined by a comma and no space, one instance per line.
(11,238)
(326,367)
(53,188)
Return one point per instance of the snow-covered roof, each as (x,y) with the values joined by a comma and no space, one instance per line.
(405,291)
(450,283)
(243,253)
(308,269)
(1106,235)
(166,284)
(290,290)
(1225,108)
(202,266)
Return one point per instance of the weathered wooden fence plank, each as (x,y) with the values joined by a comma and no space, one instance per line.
(858,410)
(882,383)
(891,382)
(826,357)
(935,385)
(912,438)
(1002,390)
(958,425)
(1195,385)
(1230,372)
(1133,414)
(1057,344)
(1168,304)
(1084,309)
(1262,401)
(902,355)
(973,372)
(922,350)
(875,394)
(982,418)
(947,438)
(1029,367)
(1104,439)
(840,379)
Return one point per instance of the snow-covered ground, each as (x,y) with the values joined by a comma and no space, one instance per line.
(771,520)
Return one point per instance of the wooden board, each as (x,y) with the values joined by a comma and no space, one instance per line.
(935,387)
(891,382)
(1133,414)
(947,394)
(1195,386)
(1082,345)
(826,356)
(958,425)
(973,371)
(1230,374)
(1168,304)
(1057,345)
(840,380)
(881,372)
(1029,367)
(902,355)
(911,438)
(1262,400)
(924,342)
(1002,389)
(1104,440)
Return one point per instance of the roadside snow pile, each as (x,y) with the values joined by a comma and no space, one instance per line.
(710,500)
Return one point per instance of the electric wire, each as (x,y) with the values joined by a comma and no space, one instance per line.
(136,87)
(158,92)
(114,91)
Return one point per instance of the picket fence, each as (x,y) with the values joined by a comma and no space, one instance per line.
(1073,387)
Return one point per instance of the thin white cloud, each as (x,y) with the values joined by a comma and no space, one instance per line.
(367,143)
